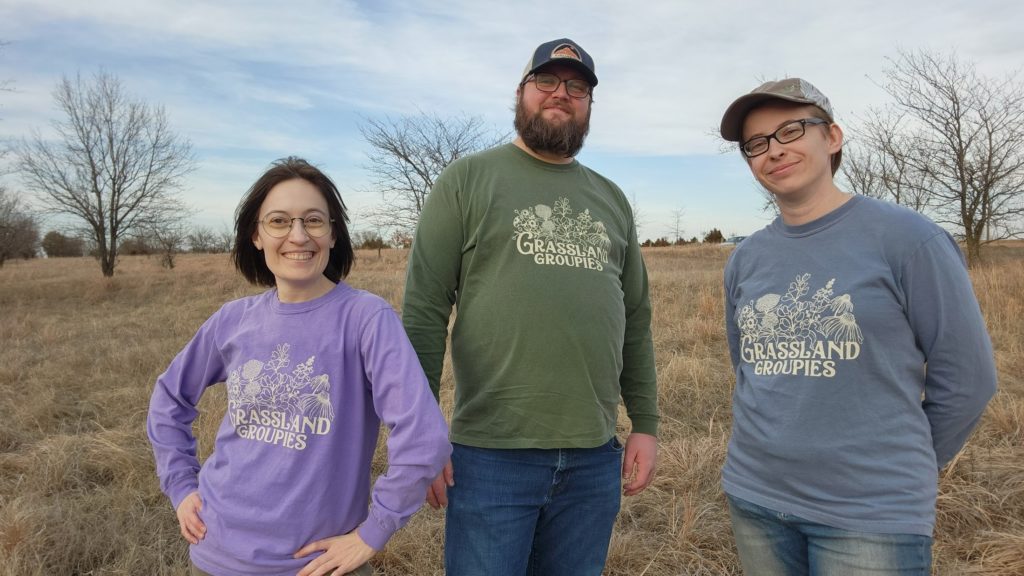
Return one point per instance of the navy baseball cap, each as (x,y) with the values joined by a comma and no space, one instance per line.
(564,51)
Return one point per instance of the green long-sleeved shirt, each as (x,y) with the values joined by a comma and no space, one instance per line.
(553,316)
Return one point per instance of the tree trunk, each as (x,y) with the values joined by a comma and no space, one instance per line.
(973,246)
(107,264)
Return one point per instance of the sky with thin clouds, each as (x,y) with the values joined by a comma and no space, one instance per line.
(250,81)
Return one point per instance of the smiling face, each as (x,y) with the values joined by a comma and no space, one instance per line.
(553,123)
(798,169)
(297,260)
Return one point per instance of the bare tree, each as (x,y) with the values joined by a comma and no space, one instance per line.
(202,239)
(369,240)
(167,238)
(677,225)
(225,239)
(115,164)
(57,245)
(19,231)
(953,140)
(406,156)
(639,217)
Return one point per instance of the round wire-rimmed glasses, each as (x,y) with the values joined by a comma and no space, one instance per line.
(279,224)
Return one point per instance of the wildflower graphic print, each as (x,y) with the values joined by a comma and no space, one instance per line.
(793,335)
(266,403)
(556,236)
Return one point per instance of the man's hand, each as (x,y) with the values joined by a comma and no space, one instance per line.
(192,526)
(341,555)
(437,492)
(639,463)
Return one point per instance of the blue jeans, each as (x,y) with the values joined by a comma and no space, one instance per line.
(519,512)
(774,543)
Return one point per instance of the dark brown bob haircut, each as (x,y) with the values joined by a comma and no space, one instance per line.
(250,261)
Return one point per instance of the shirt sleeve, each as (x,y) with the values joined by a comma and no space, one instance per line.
(432,277)
(638,381)
(417,444)
(950,330)
(172,409)
(732,329)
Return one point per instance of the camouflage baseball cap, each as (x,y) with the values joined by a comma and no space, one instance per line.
(796,90)
(565,51)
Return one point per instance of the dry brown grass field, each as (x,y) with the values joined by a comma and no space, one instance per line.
(79,355)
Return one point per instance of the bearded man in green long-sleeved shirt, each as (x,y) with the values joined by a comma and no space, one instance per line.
(540,258)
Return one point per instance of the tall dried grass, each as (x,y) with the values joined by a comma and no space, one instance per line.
(78,494)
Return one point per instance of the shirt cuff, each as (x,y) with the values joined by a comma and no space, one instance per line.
(645,425)
(373,534)
(182,488)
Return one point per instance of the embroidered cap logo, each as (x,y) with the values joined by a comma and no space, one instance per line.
(566,51)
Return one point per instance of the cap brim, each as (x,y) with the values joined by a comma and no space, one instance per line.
(732,121)
(587,72)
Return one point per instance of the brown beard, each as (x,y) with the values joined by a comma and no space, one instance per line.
(564,139)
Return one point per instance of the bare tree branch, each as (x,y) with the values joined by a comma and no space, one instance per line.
(876,161)
(5,84)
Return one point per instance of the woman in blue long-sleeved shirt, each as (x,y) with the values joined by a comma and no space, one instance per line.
(862,360)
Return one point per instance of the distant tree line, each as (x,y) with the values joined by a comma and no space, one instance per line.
(664,241)
(714,236)
(198,240)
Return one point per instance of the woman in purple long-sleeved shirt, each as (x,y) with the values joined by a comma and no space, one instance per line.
(311,367)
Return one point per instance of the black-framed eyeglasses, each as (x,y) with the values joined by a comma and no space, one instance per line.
(784,135)
(575,87)
(279,224)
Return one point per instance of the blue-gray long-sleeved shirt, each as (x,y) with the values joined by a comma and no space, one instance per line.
(862,364)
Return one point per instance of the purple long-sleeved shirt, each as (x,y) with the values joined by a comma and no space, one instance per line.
(308,385)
